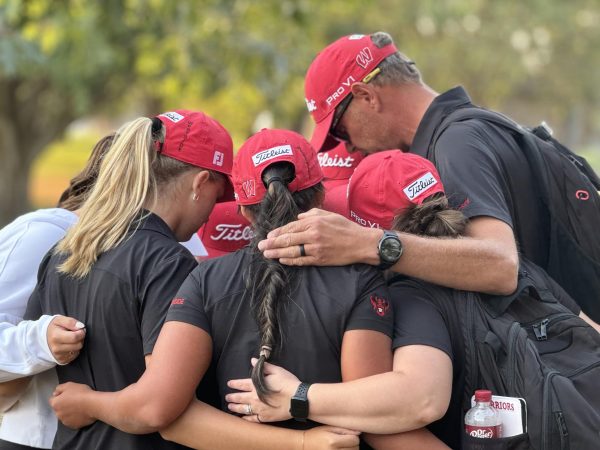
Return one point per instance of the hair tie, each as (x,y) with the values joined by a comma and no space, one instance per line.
(156,134)
(265,351)
(272,179)
(156,125)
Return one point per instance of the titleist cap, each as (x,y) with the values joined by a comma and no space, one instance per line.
(268,147)
(336,199)
(225,231)
(195,138)
(330,77)
(385,183)
(337,163)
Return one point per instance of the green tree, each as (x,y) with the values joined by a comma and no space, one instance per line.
(62,60)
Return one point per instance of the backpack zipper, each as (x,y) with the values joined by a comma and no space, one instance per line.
(540,328)
(513,334)
(545,407)
(562,429)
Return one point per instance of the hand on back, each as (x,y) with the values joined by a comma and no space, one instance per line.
(65,337)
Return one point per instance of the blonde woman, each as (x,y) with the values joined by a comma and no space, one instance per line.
(118,267)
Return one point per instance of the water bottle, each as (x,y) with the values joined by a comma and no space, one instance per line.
(482,420)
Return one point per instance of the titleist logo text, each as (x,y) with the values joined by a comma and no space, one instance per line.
(327,161)
(271,153)
(419,186)
(232,232)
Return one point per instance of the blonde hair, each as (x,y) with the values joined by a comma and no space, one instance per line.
(126,184)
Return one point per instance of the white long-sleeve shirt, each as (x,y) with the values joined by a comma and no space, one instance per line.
(23,346)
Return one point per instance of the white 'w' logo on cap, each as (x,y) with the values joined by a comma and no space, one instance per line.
(364,57)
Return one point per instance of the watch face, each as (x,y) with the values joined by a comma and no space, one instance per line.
(391,249)
(299,408)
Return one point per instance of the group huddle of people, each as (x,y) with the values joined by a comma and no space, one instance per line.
(316,313)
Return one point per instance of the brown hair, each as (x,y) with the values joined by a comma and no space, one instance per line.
(431,218)
(80,185)
(269,282)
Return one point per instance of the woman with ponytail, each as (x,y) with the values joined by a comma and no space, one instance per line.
(118,267)
(328,324)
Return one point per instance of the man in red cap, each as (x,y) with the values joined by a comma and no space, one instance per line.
(361,90)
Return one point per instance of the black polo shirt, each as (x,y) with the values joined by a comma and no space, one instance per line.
(429,317)
(476,181)
(326,302)
(123,302)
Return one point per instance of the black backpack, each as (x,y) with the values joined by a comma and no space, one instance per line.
(528,345)
(568,187)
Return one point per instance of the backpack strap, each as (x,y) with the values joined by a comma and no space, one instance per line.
(469,113)
(496,305)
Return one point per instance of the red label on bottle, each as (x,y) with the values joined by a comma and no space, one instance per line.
(489,432)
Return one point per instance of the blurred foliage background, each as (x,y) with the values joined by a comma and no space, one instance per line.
(73,70)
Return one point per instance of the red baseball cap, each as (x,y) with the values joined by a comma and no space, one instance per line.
(330,77)
(338,164)
(265,148)
(225,231)
(336,199)
(197,139)
(387,182)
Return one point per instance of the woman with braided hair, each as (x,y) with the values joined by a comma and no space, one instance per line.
(328,324)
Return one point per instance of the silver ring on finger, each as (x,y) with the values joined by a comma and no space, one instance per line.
(249,411)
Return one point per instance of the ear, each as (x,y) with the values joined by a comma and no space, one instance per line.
(366,94)
(199,181)
(247,214)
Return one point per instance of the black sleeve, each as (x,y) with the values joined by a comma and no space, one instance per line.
(470,173)
(417,320)
(165,279)
(34,304)
(372,309)
(188,304)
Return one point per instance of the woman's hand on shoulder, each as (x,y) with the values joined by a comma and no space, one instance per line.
(280,381)
(68,403)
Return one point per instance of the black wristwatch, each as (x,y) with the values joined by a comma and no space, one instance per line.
(389,250)
(299,403)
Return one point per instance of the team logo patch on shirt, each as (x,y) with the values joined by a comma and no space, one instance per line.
(178,301)
(380,305)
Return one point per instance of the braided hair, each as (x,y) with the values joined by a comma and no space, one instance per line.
(268,282)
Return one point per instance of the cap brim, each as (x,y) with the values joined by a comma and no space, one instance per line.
(321,134)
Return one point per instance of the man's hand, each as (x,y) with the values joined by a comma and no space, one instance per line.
(328,238)
(326,438)
(67,401)
(280,381)
(65,337)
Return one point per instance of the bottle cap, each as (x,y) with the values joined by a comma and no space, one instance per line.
(483,395)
